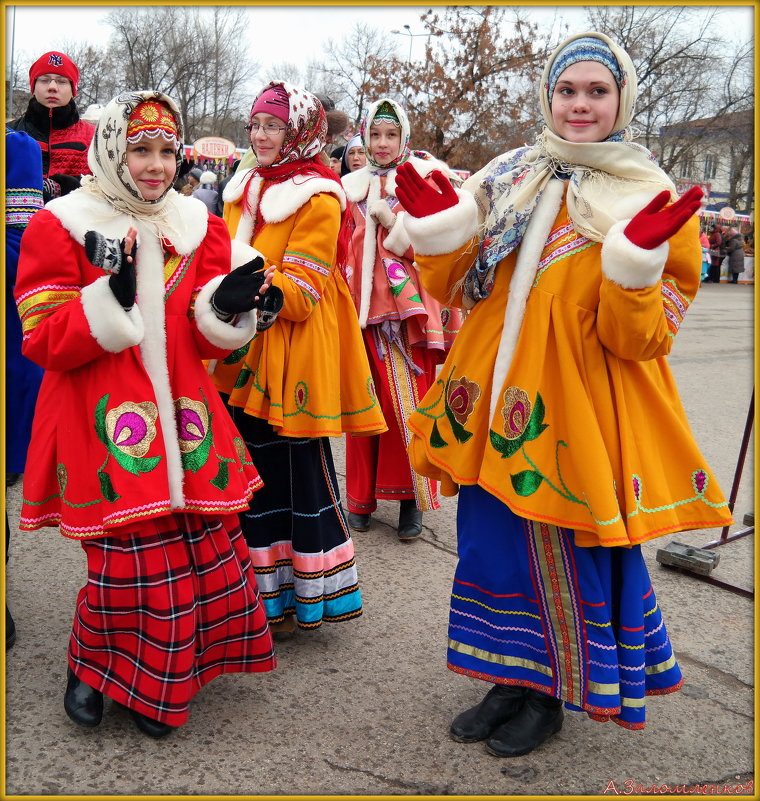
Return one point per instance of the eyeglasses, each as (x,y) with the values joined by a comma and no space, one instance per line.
(270,129)
(45,80)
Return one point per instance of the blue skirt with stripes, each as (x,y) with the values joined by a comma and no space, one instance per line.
(530,608)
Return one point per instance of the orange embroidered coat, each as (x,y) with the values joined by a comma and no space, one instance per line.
(586,429)
(307,374)
(128,425)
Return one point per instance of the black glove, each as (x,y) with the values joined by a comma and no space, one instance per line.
(68,183)
(108,254)
(237,292)
(269,305)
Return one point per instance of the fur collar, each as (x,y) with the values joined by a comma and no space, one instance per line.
(80,211)
(356,183)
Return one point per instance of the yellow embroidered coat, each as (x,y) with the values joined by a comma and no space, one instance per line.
(586,430)
(307,374)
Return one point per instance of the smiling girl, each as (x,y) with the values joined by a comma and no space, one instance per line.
(123,287)
(556,417)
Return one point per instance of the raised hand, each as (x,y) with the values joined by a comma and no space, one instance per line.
(248,287)
(118,258)
(655,224)
(418,197)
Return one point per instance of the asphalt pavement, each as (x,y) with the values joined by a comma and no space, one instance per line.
(362,708)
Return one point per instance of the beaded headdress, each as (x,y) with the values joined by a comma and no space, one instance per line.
(152,119)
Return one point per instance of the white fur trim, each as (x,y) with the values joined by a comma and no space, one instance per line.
(528,256)
(629,205)
(629,265)
(150,294)
(114,329)
(234,189)
(217,332)
(243,253)
(281,201)
(369,251)
(356,183)
(80,212)
(444,231)
(398,241)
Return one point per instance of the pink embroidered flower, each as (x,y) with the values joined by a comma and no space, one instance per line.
(131,427)
(516,412)
(192,423)
(699,481)
(461,397)
(301,394)
(636,487)
(396,272)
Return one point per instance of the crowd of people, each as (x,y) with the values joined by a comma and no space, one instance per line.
(502,340)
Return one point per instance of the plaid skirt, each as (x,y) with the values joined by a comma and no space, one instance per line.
(167,607)
(296,529)
(531,608)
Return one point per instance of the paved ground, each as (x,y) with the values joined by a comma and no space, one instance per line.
(363,708)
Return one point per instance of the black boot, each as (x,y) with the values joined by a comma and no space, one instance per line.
(153,728)
(83,704)
(501,704)
(10,629)
(358,522)
(540,718)
(409,521)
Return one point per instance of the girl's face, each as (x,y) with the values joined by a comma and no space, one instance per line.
(152,163)
(267,143)
(356,158)
(585,102)
(384,141)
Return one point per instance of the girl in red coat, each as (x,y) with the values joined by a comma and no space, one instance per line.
(123,288)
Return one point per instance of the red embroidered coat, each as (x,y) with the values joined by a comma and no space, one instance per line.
(128,425)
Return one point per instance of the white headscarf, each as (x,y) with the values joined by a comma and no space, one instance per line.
(403,123)
(107,159)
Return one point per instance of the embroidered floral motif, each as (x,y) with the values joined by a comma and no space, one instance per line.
(699,481)
(131,427)
(192,423)
(461,395)
(516,411)
(301,395)
(62,477)
(397,276)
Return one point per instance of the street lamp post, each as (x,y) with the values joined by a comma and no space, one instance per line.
(408,32)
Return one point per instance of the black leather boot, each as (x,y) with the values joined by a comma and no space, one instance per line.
(10,629)
(502,702)
(153,728)
(540,717)
(83,704)
(409,521)
(358,522)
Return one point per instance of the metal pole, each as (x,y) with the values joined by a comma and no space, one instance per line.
(10,82)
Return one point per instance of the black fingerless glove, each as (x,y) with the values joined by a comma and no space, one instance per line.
(108,254)
(268,305)
(237,292)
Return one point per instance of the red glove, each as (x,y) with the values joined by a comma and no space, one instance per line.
(418,197)
(654,224)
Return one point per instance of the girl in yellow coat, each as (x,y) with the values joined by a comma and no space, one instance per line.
(556,416)
(304,378)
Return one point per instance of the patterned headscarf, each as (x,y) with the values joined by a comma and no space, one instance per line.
(584,48)
(107,157)
(386,109)
(509,187)
(306,123)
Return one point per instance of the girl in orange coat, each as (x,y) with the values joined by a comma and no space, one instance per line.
(555,416)
(123,288)
(407,332)
(305,378)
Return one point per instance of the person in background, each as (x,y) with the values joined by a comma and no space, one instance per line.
(123,288)
(717,254)
(354,157)
(194,178)
(206,191)
(335,159)
(23,198)
(222,187)
(556,417)
(406,331)
(704,241)
(735,251)
(304,378)
(53,120)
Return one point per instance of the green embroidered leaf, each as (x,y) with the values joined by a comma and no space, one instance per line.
(536,423)
(436,440)
(506,447)
(194,460)
(243,378)
(106,487)
(100,420)
(459,431)
(222,477)
(526,482)
(238,354)
(132,464)
(415,297)
(396,290)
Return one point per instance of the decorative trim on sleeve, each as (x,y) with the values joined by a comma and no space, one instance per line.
(445,231)
(628,265)
(113,328)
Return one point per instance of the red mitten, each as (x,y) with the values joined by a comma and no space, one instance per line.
(418,197)
(654,224)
